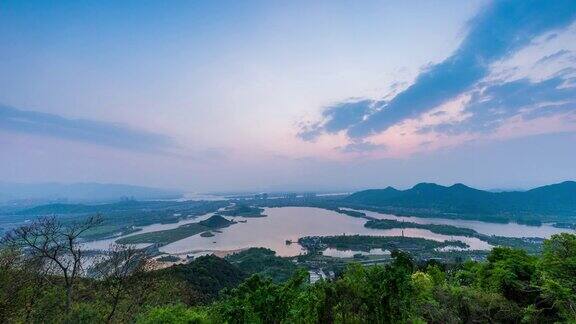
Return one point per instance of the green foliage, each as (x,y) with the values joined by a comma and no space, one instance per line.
(264,262)
(48,305)
(503,289)
(86,313)
(558,266)
(363,295)
(511,286)
(206,275)
(259,300)
(457,304)
(174,314)
(511,273)
(436,274)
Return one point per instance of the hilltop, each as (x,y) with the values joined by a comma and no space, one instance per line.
(551,200)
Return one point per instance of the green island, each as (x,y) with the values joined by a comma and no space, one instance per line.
(242,210)
(176,234)
(164,237)
(316,244)
(434,228)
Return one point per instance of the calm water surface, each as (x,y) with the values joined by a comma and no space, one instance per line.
(291,223)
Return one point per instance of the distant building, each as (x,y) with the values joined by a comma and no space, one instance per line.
(261,196)
(309,195)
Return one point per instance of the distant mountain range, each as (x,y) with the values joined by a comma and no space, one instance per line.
(552,200)
(79,192)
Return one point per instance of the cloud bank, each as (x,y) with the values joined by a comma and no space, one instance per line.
(495,34)
(81,130)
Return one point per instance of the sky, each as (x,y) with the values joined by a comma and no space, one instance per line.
(288,95)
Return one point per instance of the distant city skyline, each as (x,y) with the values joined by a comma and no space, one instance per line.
(300,95)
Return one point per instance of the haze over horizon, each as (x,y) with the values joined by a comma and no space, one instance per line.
(259,95)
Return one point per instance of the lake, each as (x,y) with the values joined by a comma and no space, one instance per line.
(291,223)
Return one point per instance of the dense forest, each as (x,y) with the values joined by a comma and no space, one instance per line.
(45,278)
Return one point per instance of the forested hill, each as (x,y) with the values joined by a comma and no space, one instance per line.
(559,199)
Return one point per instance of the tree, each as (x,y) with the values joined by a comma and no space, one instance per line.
(510,272)
(56,247)
(117,268)
(22,283)
(558,273)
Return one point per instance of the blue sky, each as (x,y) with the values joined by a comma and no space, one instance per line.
(270,95)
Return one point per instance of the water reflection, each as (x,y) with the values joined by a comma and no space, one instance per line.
(291,223)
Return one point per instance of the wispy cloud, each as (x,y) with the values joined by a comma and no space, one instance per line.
(500,30)
(340,116)
(362,147)
(494,104)
(82,130)
(553,56)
